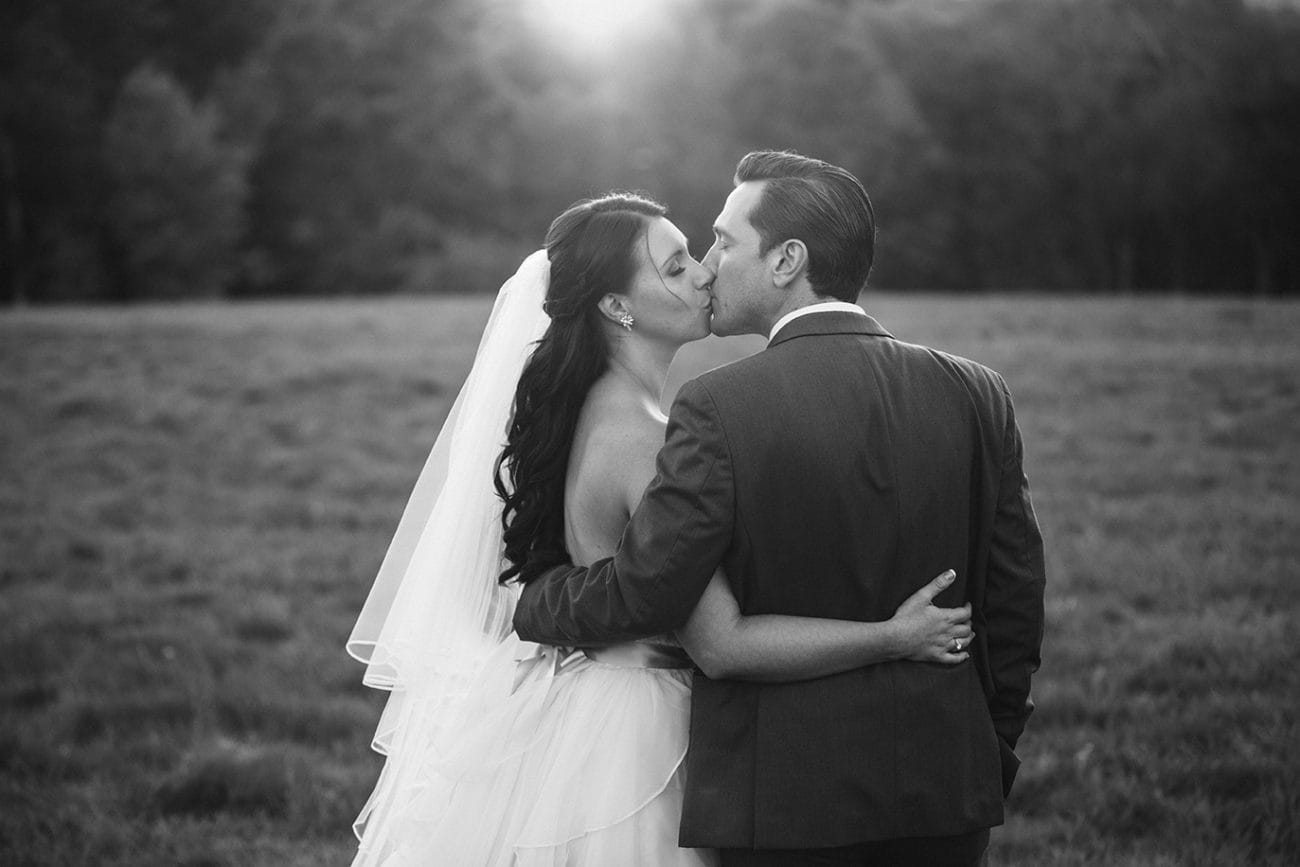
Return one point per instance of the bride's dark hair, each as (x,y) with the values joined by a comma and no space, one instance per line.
(591,249)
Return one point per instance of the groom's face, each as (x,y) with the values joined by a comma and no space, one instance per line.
(743,281)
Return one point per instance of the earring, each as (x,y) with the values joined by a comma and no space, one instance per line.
(626,321)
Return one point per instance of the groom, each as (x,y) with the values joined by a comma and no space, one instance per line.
(830,475)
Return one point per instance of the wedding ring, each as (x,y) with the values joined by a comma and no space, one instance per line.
(957,643)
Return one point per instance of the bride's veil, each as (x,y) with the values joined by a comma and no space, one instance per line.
(436,611)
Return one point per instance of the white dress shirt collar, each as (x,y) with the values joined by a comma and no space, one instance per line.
(819,307)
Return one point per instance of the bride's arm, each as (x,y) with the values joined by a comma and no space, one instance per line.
(774,647)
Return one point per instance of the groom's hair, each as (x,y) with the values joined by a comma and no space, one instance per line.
(822,205)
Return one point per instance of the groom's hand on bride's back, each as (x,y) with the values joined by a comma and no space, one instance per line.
(928,633)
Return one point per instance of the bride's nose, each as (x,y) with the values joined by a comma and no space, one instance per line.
(703,277)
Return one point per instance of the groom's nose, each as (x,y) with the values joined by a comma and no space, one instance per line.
(710,259)
(704,279)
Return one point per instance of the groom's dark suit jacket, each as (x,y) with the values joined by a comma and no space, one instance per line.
(833,475)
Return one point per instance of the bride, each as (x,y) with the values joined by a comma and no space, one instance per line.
(501,752)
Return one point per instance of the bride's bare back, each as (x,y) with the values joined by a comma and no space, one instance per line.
(611,462)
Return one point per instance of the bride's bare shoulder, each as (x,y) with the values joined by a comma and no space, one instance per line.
(617,440)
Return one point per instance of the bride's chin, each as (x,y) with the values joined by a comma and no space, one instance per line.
(694,336)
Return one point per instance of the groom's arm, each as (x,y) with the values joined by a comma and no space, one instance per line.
(669,550)
(1013,603)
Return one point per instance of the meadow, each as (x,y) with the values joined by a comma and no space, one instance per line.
(194,500)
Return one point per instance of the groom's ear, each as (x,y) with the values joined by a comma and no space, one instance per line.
(791,261)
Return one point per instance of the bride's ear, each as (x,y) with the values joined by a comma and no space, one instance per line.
(791,261)
(611,306)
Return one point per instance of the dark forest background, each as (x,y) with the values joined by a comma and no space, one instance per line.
(221,148)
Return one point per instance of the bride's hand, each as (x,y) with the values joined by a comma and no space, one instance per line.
(928,633)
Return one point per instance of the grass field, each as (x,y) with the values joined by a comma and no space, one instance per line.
(194,500)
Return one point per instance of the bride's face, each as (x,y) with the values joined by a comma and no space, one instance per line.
(669,296)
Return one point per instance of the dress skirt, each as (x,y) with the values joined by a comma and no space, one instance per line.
(555,761)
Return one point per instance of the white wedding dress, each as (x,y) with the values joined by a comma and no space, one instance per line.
(580,763)
(502,752)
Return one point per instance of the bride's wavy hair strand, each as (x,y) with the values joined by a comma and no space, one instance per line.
(591,250)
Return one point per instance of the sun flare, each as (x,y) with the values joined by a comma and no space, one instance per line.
(595,24)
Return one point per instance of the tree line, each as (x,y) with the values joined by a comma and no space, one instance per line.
(220,148)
